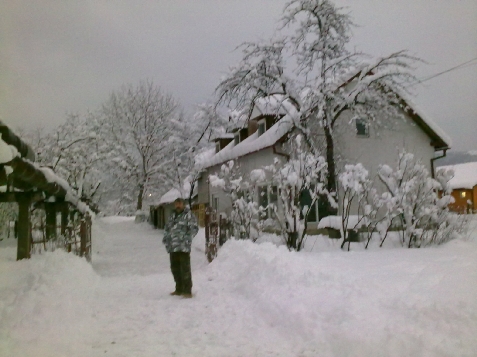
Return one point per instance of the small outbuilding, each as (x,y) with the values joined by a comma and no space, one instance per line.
(160,212)
(464,187)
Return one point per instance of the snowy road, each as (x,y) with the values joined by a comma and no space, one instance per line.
(254,300)
(137,317)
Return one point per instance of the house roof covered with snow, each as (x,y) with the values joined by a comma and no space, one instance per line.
(271,105)
(440,138)
(280,105)
(251,144)
(465,175)
(173,194)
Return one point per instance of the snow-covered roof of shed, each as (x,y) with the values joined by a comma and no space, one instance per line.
(170,196)
(465,175)
(173,194)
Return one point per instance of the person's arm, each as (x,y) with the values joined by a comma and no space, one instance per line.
(167,228)
(194,228)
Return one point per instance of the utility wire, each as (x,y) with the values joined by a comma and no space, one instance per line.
(460,66)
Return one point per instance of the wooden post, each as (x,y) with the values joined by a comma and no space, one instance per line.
(64,218)
(50,229)
(85,236)
(24,227)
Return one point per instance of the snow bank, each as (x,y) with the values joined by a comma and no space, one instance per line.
(335,222)
(383,303)
(46,304)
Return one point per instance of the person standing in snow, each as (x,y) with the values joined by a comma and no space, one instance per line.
(178,234)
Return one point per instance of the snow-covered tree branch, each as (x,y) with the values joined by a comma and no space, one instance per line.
(321,77)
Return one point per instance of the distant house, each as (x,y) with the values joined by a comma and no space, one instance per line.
(259,141)
(464,187)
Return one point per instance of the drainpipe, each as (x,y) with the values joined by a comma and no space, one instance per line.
(433,174)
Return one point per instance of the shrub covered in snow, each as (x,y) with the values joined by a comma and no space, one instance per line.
(417,203)
(246,213)
(413,203)
(303,174)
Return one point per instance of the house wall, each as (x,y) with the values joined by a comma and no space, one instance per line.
(461,204)
(383,144)
(247,163)
(474,196)
(203,188)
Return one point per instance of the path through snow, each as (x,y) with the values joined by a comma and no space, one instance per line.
(253,300)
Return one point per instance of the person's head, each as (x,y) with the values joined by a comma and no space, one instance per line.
(179,205)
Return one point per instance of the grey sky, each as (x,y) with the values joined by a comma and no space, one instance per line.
(67,56)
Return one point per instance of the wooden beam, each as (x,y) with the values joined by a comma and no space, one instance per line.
(24,227)
(18,196)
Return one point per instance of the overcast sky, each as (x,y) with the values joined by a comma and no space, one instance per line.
(67,56)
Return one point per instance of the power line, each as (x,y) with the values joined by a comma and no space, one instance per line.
(460,66)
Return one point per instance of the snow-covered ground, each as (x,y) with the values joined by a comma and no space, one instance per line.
(253,300)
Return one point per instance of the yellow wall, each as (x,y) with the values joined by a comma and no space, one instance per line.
(460,205)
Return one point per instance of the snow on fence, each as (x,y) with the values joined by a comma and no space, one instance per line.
(34,187)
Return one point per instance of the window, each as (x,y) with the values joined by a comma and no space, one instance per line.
(237,138)
(215,203)
(273,194)
(267,196)
(463,194)
(217,146)
(262,127)
(362,128)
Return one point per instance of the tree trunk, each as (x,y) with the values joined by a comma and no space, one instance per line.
(140,197)
(331,177)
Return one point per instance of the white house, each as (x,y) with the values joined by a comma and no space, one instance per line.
(259,142)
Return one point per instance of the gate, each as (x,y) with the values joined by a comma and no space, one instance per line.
(217,231)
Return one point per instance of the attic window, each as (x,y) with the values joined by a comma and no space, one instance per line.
(217,146)
(362,128)
(262,127)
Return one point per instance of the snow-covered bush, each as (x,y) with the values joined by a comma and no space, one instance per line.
(246,213)
(417,203)
(302,174)
(357,190)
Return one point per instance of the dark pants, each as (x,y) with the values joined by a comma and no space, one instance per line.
(180,267)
